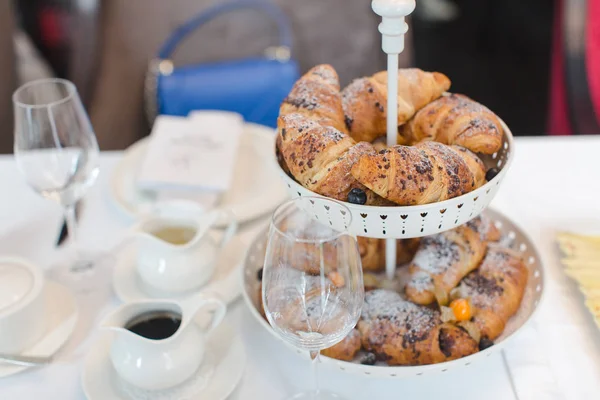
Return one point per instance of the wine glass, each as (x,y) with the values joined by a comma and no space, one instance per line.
(57,152)
(312,284)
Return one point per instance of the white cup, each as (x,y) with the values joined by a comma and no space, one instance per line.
(22,307)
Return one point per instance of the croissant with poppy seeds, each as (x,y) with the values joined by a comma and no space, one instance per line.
(495,289)
(320,158)
(455,119)
(316,95)
(421,174)
(403,333)
(312,139)
(365,100)
(440,263)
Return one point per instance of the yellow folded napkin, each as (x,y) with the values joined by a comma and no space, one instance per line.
(581,259)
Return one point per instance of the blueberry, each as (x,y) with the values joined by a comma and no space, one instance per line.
(368,359)
(491,174)
(357,196)
(484,343)
(259,274)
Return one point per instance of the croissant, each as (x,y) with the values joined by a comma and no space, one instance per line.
(346,349)
(372,252)
(441,262)
(455,119)
(304,309)
(320,157)
(316,95)
(403,333)
(495,289)
(421,174)
(365,100)
(488,231)
(312,138)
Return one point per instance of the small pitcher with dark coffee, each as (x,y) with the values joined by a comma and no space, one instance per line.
(157,343)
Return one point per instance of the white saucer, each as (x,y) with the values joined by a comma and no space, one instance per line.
(62,313)
(100,381)
(224,283)
(256,188)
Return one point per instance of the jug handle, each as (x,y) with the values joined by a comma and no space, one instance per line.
(231,229)
(193,305)
(218,315)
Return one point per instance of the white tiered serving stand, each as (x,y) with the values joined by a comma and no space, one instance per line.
(515,239)
(403,222)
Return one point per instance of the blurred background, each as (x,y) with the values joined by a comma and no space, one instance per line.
(532,62)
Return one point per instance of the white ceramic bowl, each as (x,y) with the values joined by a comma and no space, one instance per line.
(22,308)
(414,221)
(514,238)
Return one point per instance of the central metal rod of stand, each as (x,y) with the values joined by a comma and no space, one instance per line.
(392,28)
(392,140)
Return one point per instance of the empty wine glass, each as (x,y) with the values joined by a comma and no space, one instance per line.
(312,284)
(56,150)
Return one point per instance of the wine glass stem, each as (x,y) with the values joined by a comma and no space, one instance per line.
(314,355)
(71,220)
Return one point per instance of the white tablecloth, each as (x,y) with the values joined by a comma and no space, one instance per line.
(552,186)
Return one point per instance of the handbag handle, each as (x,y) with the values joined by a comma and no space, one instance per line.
(285,33)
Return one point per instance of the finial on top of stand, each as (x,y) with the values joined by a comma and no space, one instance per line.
(393,27)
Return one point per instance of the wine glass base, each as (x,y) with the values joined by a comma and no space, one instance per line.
(81,273)
(321,395)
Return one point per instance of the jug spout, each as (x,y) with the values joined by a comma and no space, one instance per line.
(182,224)
(186,216)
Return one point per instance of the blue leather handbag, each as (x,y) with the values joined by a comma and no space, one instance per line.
(252,87)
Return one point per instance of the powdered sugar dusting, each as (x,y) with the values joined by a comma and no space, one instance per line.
(354,91)
(303,96)
(327,73)
(407,316)
(436,254)
(421,281)
(502,259)
(481,224)
(319,93)
(301,123)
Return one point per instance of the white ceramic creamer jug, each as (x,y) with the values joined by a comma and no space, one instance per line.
(158,344)
(176,251)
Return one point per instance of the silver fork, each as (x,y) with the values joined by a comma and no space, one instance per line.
(25,361)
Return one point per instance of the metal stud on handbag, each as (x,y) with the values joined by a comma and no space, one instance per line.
(253,87)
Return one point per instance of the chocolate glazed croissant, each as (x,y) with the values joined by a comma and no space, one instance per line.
(455,119)
(422,174)
(441,262)
(495,289)
(365,100)
(403,333)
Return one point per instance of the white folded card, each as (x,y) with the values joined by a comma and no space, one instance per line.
(195,154)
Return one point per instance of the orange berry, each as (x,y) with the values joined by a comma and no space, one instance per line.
(461,309)
(336,278)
